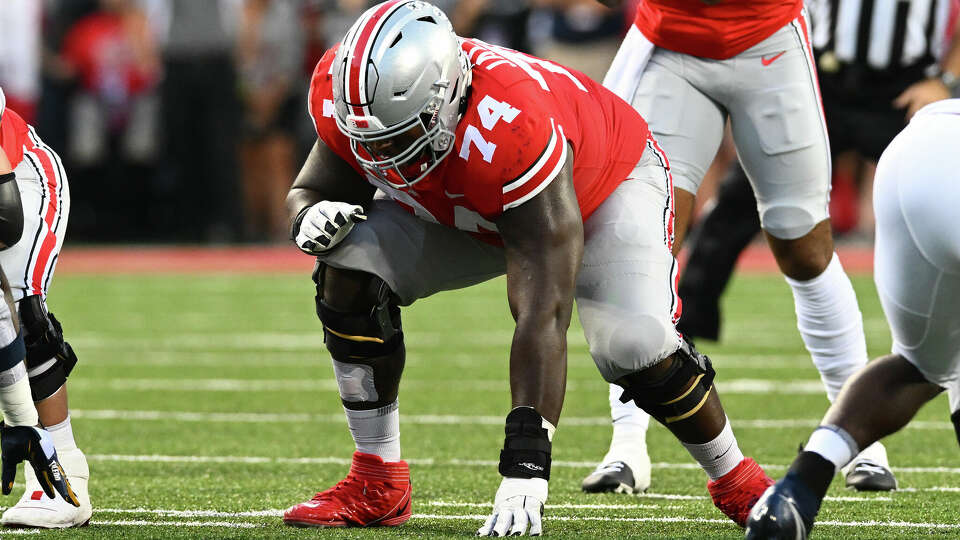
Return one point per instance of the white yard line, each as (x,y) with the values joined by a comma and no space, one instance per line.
(427,462)
(191,513)
(562,506)
(145,523)
(548,519)
(732,386)
(421,419)
(275,513)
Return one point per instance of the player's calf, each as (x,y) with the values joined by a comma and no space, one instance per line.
(362,331)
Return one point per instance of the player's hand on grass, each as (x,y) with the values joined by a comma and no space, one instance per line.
(28,443)
(322,226)
(517,506)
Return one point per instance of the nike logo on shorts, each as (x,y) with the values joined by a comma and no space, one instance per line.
(767,61)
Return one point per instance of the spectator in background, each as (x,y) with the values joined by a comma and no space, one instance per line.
(498,22)
(200,111)
(583,34)
(271,57)
(112,134)
(20,55)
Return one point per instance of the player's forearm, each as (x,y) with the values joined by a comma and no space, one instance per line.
(538,361)
(326,177)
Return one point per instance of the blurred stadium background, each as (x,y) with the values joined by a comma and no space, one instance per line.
(185,120)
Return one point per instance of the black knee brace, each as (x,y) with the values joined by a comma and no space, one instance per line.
(11,210)
(50,359)
(367,349)
(678,393)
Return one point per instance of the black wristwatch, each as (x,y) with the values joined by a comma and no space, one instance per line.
(950,80)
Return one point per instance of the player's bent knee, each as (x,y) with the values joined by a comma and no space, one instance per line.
(674,389)
(788,222)
(49,358)
(366,345)
(625,346)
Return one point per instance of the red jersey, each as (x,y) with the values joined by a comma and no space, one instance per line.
(511,141)
(717,29)
(14,135)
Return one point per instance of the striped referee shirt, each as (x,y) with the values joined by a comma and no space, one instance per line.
(881,34)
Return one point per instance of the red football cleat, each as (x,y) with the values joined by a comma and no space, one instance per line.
(374,494)
(736,492)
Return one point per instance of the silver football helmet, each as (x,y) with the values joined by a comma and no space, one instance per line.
(398,81)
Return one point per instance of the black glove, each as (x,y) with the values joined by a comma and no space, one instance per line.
(28,443)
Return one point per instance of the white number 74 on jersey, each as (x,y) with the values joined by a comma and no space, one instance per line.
(491,111)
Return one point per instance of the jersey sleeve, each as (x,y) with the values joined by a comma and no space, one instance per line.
(520,131)
(540,170)
(320,107)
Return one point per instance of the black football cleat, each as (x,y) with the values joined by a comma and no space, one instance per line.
(615,477)
(784,512)
(867,475)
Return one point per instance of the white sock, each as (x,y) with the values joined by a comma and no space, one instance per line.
(831,325)
(953,394)
(630,425)
(376,431)
(62,434)
(16,401)
(719,456)
(834,444)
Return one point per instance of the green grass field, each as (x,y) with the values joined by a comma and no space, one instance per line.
(206,404)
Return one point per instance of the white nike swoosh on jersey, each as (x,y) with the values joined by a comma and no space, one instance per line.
(452,195)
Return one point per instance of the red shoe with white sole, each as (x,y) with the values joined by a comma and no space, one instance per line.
(736,492)
(374,494)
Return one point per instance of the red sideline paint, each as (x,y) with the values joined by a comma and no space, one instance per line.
(177,259)
(283,259)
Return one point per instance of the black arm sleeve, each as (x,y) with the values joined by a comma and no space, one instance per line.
(11,211)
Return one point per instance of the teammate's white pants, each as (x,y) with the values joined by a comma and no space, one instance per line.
(771,96)
(917,253)
(45,193)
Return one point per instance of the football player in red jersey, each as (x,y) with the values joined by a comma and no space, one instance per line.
(443,162)
(689,65)
(29,262)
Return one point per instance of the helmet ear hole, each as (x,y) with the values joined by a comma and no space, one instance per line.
(427,19)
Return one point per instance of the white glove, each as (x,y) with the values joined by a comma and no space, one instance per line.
(325,224)
(519,502)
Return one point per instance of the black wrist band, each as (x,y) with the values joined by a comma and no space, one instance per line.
(9,177)
(526,448)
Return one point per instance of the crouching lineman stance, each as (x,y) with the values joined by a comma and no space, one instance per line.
(687,66)
(29,263)
(917,272)
(20,438)
(445,162)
